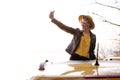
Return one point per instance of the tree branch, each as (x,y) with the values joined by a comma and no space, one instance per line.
(107,5)
(104,20)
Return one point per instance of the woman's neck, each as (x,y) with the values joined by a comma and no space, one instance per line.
(86,31)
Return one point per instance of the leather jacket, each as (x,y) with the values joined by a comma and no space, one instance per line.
(77,34)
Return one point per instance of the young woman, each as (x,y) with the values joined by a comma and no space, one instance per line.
(83,43)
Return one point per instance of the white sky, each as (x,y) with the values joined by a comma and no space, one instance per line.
(26,33)
(26,27)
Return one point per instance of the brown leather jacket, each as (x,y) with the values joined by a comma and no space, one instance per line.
(77,33)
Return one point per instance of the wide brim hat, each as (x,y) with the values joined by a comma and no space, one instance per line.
(89,18)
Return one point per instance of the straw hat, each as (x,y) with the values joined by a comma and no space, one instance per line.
(88,18)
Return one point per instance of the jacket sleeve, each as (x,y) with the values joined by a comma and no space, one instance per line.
(93,44)
(63,26)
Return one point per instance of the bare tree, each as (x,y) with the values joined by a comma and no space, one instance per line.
(116,6)
(109,6)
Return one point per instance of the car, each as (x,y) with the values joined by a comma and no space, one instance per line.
(105,69)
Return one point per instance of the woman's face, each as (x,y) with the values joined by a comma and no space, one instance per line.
(85,24)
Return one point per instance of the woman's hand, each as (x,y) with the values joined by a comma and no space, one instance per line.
(51,15)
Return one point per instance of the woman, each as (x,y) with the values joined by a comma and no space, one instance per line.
(83,43)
